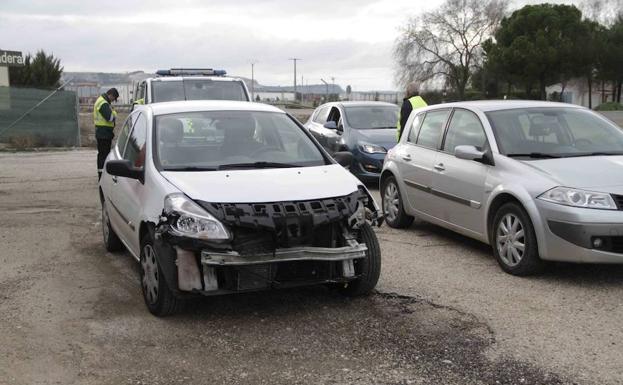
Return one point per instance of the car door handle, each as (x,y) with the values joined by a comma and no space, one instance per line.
(114,179)
(439,167)
(407,157)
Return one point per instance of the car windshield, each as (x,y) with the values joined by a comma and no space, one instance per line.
(554,132)
(212,140)
(369,117)
(197,89)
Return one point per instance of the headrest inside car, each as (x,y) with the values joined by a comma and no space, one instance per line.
(171,130)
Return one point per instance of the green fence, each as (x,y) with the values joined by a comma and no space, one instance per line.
(28,119)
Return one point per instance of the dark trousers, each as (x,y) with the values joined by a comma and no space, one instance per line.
(103,148)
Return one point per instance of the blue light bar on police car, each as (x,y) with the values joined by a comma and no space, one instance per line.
(191,72)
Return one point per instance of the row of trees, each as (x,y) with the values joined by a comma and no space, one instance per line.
(472,44)
(39,71)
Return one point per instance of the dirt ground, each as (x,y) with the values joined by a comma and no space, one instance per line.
(71,313)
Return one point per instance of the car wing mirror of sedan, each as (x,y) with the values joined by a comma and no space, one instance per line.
(344,158)
(124,168)
(331,125)
(469,153)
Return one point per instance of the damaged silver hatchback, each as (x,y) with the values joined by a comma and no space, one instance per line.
(218,197)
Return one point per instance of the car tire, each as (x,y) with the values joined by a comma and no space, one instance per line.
(514,242)
(159,298)
(111,239)
(369,267)
(393,207)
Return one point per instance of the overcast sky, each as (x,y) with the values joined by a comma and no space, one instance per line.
(345,39)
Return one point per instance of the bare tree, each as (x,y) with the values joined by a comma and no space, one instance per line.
(443,45)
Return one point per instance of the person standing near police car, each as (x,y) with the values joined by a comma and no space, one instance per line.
(412,101)
(104,119)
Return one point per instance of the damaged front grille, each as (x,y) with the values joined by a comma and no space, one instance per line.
(262,227)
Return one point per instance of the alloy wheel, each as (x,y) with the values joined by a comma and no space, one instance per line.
(391,202)
(510,240)
(150,277)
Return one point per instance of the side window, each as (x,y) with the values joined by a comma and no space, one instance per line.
(415,127)
(122,139)
(432,128)
(334,115)
(135,150)
(464,129)
(321,115)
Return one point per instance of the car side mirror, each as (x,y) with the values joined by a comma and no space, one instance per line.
(124,168)
(344,158)
(331,125)
(472,153)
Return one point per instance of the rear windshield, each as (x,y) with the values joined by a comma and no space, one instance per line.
(371,117)
(197,89)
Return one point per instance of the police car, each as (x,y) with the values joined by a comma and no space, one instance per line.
(179,84)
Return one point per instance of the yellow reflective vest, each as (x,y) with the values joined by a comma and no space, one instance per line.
(98,118)
(416,102)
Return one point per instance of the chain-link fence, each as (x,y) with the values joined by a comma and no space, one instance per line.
(38,118)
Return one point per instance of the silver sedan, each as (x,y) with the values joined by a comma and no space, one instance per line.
(539,181)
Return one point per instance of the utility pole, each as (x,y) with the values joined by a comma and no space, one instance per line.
(333,85)
(253,80)
(294,59)
(326,94)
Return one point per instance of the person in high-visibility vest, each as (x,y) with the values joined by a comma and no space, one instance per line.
(104,119)
(412,101)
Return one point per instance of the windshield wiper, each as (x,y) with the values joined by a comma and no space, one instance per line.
(189,168)
(596,153)
(535,155)
(256,165)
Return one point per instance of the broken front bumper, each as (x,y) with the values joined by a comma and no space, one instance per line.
(288,267)
(233,258)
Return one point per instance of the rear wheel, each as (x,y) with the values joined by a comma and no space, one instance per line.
(393,208)
(514,241)
(369,267)
(159,298)
(111,240)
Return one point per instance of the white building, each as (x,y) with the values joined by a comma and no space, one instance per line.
(576,92)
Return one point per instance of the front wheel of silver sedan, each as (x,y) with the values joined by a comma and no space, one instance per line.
(514,241)
(393,207)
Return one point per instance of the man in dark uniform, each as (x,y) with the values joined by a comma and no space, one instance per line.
(411,102)
(104,118)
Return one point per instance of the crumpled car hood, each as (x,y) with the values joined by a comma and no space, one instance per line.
(265,185)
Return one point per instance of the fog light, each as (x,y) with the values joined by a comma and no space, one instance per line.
(598,243)
(370,167)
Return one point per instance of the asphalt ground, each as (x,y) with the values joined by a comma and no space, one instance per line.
(444,313)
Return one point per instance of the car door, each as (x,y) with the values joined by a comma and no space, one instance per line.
(460,183)
(417,158)
(114,214)
(129,193)
(317,122)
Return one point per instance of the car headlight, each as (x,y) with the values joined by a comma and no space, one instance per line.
(190,220)
(371,148)
(579,198)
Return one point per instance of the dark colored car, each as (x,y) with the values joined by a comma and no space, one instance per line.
(366,129)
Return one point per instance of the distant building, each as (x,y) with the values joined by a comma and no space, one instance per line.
(89,85)
(381,96)
(576,92)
